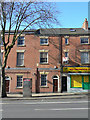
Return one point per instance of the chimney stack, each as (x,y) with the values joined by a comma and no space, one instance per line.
(85,24)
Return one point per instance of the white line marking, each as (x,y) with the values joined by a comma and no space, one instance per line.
(33,103)
(63,109)
(58,102)
(1,110)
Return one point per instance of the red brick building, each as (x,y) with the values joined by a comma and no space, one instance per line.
(38,54)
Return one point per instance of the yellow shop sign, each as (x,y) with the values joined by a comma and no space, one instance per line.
(76,69)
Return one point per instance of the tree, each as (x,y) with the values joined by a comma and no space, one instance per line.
(20,16)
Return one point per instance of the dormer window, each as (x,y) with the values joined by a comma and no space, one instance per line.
(72,30)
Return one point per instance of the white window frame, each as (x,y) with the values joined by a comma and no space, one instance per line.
(20,58)
(20,81)
(2,51)
(23,39)
(43,43)
(83,58)
(66,55)
(43,58)
(84,39)
(66,43)
(44,80)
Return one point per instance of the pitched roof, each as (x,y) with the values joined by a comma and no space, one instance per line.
(64,31)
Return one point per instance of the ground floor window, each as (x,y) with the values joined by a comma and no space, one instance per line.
(80,81)
(76,81)
(43,80)
(19,81)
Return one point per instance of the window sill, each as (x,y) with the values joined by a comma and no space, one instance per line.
(44,44)
(21,45)
(44,63)
(67,44)
(85,63)
(20,65)
(44,87)
(84,43)
(19,87)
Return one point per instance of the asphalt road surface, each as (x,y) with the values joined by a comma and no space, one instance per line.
(52,108)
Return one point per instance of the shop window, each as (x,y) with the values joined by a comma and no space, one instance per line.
(76,81)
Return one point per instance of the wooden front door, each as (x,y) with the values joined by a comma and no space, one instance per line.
(64,84)
(7,85)
(55,85)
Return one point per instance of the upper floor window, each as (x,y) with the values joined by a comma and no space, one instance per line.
(43,41)
(20,58)
(21,41)
(1,43)
(84,57)
(84,40)
(1,57)
(43,57)
(66,41)
(66,54)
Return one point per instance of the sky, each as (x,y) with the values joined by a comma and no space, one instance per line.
(72,14)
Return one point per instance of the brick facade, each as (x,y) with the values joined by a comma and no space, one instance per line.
(32,67)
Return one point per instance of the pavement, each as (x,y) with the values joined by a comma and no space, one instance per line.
(47,96)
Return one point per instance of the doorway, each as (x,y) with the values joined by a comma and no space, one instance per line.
(64,83)
(55,84)
(7,82)
(7,86)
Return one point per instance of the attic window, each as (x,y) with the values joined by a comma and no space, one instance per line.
(72,30)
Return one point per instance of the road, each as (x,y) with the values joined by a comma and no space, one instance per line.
(52,108)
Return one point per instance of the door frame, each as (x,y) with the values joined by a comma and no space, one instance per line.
(62,84)
(57,81)
(8,79)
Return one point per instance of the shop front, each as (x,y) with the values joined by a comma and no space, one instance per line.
(78,78)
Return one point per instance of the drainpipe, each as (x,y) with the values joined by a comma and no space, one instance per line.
(60,61)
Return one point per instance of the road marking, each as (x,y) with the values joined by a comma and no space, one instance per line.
(1,110)
(57,102)
(62,109)
(33,103)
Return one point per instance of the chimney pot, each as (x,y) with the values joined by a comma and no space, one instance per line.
(85,24)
